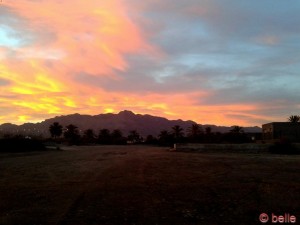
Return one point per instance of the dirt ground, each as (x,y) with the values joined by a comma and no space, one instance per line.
(140,185)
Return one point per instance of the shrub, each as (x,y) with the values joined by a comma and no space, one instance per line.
(20,145)
(284,146)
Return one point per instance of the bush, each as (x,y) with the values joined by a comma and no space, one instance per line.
(235,138)
(284,146)
(18,144)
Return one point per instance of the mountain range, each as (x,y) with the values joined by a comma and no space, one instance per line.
(124,120)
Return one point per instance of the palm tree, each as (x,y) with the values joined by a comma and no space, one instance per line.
(150,139)
(104,133)
(194,131)
(164,134)
(72,134)
(177,131)
(236,135)
(294,119)
(208,137)
(237,130)
(89,135)
(116,134)
(55,130)
(208,130)
(104,136)
(165,138)
(134,136)
(117,137)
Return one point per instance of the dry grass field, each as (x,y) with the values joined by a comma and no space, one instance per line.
(140,185)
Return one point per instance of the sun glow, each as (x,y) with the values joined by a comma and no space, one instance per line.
(109,110)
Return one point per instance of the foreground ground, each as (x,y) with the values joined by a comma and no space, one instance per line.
(141,185)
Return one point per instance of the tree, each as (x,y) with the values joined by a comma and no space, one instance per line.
(89,136)
(150,139)
(116,134)
(164,134)
(177,132)
(294,119)
(237,130)
(208,135)
(104,136)
(117,137)
(208,130)
(72,134)
(165,138)
(56,130)
(134,136)
(195,131)
(236,135)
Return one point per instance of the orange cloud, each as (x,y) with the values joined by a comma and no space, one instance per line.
(94,37)
(86,36)
(67,38)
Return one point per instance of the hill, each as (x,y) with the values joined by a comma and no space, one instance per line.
(124,120)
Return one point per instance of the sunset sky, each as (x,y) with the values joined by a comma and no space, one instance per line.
(223,62)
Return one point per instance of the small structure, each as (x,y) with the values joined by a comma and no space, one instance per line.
(278,130)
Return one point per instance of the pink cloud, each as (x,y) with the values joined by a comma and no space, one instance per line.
(90,36)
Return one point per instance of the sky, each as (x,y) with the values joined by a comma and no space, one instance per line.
(223,62)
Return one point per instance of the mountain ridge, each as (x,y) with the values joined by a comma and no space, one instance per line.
(124,120)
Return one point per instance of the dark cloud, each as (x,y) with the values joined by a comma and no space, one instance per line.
(243,51)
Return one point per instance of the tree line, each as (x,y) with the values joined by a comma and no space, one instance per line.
(195,134)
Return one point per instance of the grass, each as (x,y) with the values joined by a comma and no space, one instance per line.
(110,185)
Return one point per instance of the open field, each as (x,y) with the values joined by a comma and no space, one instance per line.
(116,185)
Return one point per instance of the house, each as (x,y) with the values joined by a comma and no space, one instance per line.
(278,130)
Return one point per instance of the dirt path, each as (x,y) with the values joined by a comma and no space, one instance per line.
(145,186)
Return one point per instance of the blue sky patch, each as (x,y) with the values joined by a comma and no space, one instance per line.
(8,37)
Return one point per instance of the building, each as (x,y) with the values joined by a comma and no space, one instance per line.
(278,130)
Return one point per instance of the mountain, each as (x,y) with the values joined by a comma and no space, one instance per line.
(124,120)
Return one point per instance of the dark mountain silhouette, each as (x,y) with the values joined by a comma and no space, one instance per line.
(124,120)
